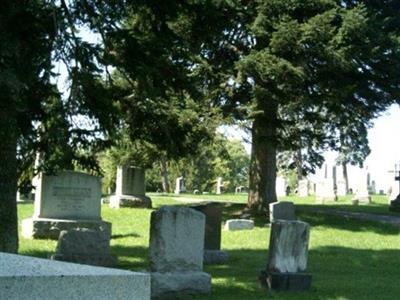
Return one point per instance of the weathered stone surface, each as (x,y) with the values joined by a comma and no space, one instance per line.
(68,195)
(117,201)
(179,284)
(42,228)
(288,247)
(282,210)
(176,239)
(239,224)
(23,277)
(286,281)
(214,257)
(85,246)
(213,214)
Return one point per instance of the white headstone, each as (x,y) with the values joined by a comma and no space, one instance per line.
(280,186)
(341,188)
(239,224)
(325,191)
(362,193)
(180,186)
(220,185)
(303,188)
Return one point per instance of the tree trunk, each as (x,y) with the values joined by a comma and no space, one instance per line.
(263,161)
(8,178)
(164,174)
(345,176)
(299,165)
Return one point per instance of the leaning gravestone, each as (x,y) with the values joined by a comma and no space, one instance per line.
(212,235)
(282,210)
(130,188)
(85,246)
(24,277)
(287,257)
(176,252)
(65,201)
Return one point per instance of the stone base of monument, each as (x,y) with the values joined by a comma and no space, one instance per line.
(178,284)
(23,277)
(42,228)
(363,199)
(215,257)
(286,281)
(141,201)
(94,260)
(395,204)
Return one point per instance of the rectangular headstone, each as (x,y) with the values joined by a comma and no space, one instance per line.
(280,186)
(176,239)
(68,195)
(288,246)
(239,224)
(23,277)
(282,210)
(302,189)
(130,181)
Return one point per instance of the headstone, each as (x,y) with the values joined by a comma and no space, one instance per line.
(362,194)
(220,185)
(212,236)
(239,224)
(85,246)
(65,201)
(395,203)
(180,186)
(176,252)
(130,188)
(24,277)
(282,210)
(287,257)
(341,188)
(325,191)
(280,186)
(303,188)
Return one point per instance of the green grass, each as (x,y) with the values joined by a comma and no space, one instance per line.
(348,259)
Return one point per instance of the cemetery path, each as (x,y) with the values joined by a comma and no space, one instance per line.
(388,219)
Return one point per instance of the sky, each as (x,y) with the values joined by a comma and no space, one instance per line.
(384,141)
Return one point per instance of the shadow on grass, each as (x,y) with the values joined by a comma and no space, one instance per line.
(131,257)
(345,223)
(121,236)
(36,253)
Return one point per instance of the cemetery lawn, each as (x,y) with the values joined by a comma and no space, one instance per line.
(348,259)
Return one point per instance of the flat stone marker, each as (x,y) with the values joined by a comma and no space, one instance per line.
(24,277)
(65,201)
(239,224)
(212,236)
(282,210)
(176,252)
(287,257)
(85,246)
(130,188)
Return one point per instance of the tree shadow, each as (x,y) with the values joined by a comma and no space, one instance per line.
(120,236)
(132,258)
(36,253)
(345,223)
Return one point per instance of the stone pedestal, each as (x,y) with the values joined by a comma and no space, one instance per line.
(176,253)
(46,228)
(130,188)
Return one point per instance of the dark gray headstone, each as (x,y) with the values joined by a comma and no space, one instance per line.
(283,210)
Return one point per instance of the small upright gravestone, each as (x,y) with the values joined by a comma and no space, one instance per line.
(302,189)
(287,257)
(282,210)
(65,201)
(362,193)
(280,186)
(180,186)
(220,186)
(85,246)
(130,188)
(176,252)
(212,235)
